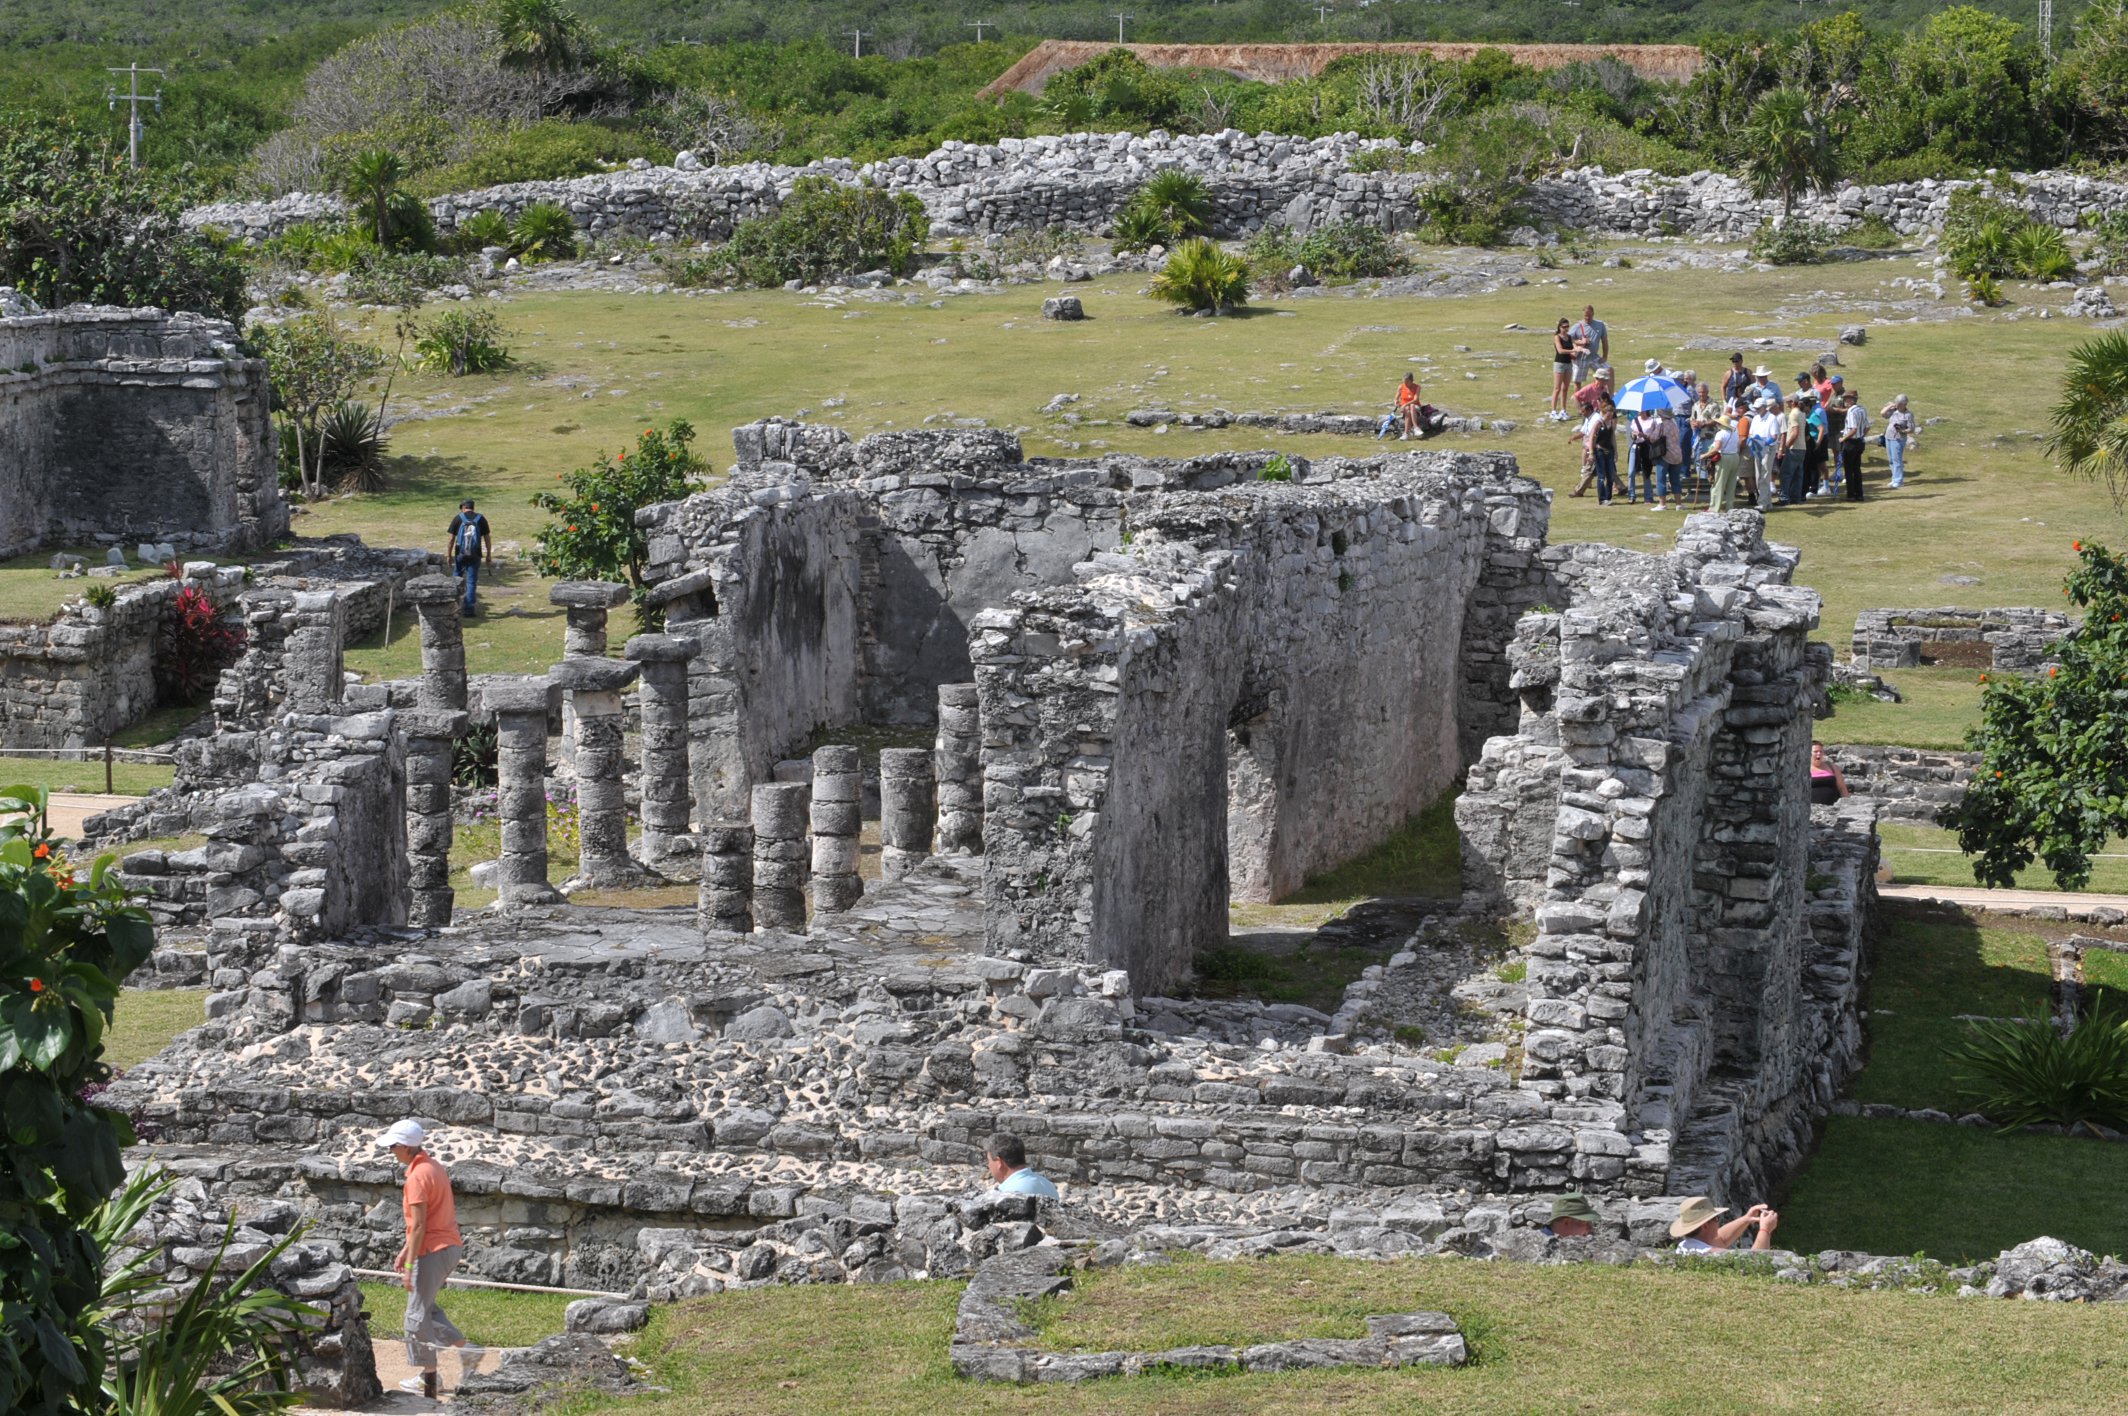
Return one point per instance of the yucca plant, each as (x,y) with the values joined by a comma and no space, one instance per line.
(544,232)
(1985,289)
(1138,228)
(1181,201)
(1201,276)
(1987,251)
(220,1351)
(2029,1074)
(2040,253)
(353,447)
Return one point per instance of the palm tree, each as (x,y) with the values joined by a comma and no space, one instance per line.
(371,181)
(537,34)
(1786,148)
(2090,437)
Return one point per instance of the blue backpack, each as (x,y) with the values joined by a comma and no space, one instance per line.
(468,538)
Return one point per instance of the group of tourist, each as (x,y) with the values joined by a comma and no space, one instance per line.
(1746,441)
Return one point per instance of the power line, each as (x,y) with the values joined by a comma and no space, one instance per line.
(133,98)
(1119,26)
(858,36)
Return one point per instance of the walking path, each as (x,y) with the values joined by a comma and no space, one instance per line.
(2098,909)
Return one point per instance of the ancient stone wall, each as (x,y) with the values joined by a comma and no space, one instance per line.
(2018,639)
(1081,180)
(133,425)
(1906,783)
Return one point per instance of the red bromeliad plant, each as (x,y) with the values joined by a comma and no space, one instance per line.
(197,642)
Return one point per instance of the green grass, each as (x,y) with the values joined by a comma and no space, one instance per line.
(159,726)
(1939,707)
(146,1019)
(1580,1338)
(1983,502)
(487,1316)
(517,630)
(1929,855)
(1315,976)
(1420,860)
(31,592)
(1958,1194)
(127,778)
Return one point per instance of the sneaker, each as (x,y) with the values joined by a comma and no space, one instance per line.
(1655,506)
(423,1384)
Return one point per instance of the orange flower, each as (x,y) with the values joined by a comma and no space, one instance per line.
(36,985)
(2077,546)
(624,457)
(1983,678)
(594,506)
(1998,776)
(2053,672)
(572,526)
(43,851)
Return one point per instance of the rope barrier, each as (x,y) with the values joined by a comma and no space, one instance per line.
(454,1281)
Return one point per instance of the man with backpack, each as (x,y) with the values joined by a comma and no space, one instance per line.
(469,546)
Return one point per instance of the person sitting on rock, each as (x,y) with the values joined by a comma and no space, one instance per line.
(1407,407)
(1698,1228)
(1006,1159)
(1573,1217)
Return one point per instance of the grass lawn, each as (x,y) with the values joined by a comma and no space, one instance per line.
(1569,1339)
(486,1316)
(31,592)
(1939,706)
(146,1019)
(127,778)
(1929,855)
(1982,503)
(1953,1192)
(1421,860)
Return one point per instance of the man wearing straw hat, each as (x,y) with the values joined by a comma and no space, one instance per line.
(432,1249)
(1698,1228)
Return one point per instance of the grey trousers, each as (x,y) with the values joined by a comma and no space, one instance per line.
(426,1326)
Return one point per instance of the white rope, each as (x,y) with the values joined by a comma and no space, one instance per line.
(454,1281)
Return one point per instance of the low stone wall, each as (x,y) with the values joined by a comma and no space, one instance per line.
(1081,180)
(2019,638)
(90,672)
(1906,783)
(119,426)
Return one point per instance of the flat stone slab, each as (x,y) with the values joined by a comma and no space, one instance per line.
(588,675)
(515,695)
(432,590)
(588,594)
(661,648)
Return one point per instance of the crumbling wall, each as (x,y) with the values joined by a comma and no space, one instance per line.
(2019,639)
(133,425)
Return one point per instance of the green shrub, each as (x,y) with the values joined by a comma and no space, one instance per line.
(2109,243)
(593,534)
(1983,289)
(1201,276)
(1345,251)
(458,342)
(400,277)
(1169,209)
(1873,234)
(1483,166)
(826,229)
(1791,242)
(1040,247)
(353,447)
(475,755)
(72,939)
(2041,252)
(480,231)
(1278,469)
(101,596)
(544,232)
(546,151)
(1384,159)
(2028,1074)
(1138,228)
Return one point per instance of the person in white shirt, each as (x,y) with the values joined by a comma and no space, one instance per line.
(1899,435)
(1762,439)
(1853,431)
(1698,1227)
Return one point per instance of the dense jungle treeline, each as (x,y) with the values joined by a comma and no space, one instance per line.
(272,95)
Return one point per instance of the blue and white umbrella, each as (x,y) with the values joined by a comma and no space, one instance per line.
(1653,392)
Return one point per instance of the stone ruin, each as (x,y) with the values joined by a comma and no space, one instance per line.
(2014,640)
(1149,688)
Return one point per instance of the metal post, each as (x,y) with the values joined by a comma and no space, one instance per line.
(1119,26)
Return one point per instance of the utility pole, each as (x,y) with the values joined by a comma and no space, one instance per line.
(133,98)
(857,38)
(1322,14)
(2046,28)
(979,26)
(1119,26)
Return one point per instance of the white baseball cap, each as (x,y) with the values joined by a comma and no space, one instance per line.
(402,1133)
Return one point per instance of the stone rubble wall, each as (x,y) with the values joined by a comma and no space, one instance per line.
(1653,811)
(90,672)
(1081,180)
(1906,783)
(2021,637)
(120,426)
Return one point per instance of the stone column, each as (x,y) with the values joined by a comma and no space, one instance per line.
(437,605)
(429,735)
(594,687)
(959,761)
(667,793)
(520,707)
(908,809)
(585,604)
(838,818)
(727,898)
(313,663)
(779,855)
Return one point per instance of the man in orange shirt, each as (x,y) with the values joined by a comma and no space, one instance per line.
(432,1249)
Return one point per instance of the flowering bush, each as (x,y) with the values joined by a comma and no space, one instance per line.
(66,946)
(198,640)
(593,535)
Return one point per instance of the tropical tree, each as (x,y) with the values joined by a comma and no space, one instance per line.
(2052,781)
(370,183)
(312,367)
(2090,437)
(593,535)
(1201,276)
(537,34)
(1787,148)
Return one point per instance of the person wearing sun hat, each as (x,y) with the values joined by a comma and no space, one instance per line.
(1698,1228)
(1573,1217)
(1765,387)
(432,1249)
